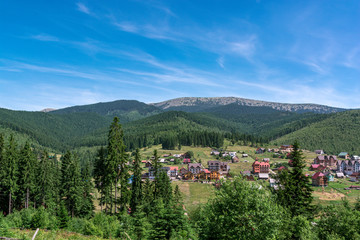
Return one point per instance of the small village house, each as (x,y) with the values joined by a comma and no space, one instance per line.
(344,155)
(355,177)
(194,168)
(319,179)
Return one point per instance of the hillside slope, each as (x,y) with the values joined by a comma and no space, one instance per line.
(198,104)
(338,133)
(126,110)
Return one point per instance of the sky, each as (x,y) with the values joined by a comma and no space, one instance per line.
(55,54)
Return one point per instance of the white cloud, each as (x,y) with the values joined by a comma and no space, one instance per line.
(45,38)
(220,61)
(83,8)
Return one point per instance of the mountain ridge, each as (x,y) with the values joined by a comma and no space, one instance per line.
(196,104)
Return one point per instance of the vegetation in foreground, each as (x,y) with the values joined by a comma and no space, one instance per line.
(44,193)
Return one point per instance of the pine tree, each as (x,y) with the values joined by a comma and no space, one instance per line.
(27,165)
(156,168)
(9,172)
(295,193)
(136,189)
(87,205)
(71,183)
(63,216)
(99,174)
(116,165)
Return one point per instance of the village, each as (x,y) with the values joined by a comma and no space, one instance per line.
(332,177)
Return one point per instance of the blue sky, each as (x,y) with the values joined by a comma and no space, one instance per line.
(63,53)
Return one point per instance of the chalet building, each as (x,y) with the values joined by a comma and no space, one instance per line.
(174,171)
(326,161)
(260,167)
(194,168)
(319,152)
(204,174)
(214,175)
(218,166)
(344,155)
(189,176)
(348,167)
(182,171)
(319,179)
(355,177)
(164,169)
(330,176)
(186,161)
(260,150)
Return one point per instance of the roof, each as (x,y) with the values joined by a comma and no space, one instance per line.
(194,165)
(315,166)
(263,175)
(355,174)
(340,174)
(187,160)
(206,170)
(174,168)
(318,174)
(321,157)
(343,154)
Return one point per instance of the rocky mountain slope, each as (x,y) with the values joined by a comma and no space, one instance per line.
(198,104)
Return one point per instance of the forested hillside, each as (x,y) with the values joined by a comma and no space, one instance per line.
(126,110)
(338,133)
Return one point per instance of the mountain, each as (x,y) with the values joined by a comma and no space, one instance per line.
(338,133)
(126,110)
(56,131)
(199,104)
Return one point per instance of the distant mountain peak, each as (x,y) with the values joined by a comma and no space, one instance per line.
(196,104)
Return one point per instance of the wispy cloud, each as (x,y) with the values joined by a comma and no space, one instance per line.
(83,8)
(221,61)
(45,38)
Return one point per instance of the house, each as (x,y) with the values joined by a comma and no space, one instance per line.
(186,161)
(182,171)
(326,161)
(260,150)
(319,152)
(178,155)
(272,182)
(246,173)
(340,175)
(218,166)
(245,155)
(355,177)
(162,160)
(261,167)
(204,174)
(344,155)
(235,159)
(319,179)
(330,176)
(174,171)
(232,154)
(148,164)
(355,157)
(214,175)
(189,176)
(194,168)
(152,171)
(263,176)
(166,155)
(266,159)
(315,167)
(214,152)
(286,147)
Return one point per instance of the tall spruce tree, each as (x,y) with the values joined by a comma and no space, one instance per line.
(156,168)
(295,193)
(136,189)
(117,175)
(87,205)
(9,172)
(99,175)
(27,165)
(3,198)
(71,188)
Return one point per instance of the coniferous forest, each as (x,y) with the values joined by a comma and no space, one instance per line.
(40,191)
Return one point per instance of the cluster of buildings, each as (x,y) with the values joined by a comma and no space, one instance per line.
(329,166)
(231,155)
(216,170)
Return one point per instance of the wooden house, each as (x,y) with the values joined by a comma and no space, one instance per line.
(182,171)
(214,175)
(319,179)
(189,176)
(174,171)
(195,168)
(204,174)
(326,161)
